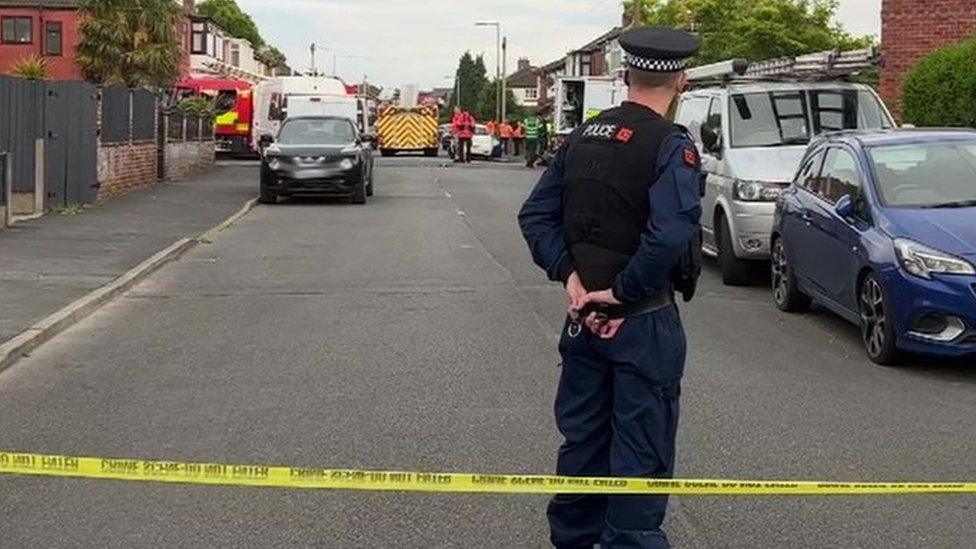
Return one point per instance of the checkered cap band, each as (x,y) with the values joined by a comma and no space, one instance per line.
(654,65)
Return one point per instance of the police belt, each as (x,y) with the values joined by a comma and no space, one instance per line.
(654,303)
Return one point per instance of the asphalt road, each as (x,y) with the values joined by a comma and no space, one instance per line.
(414,333)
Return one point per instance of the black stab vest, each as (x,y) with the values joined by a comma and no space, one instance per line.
(609,170)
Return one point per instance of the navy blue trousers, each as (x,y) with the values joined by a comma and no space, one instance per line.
(617,407)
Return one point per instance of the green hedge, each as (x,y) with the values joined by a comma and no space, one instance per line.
(941,89)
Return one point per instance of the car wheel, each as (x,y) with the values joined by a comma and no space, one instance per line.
(359,197)
(266,195)
(877,330)
(369,184)
(788,298)
(735,271)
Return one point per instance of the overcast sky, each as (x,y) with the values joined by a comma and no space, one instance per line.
(398,42)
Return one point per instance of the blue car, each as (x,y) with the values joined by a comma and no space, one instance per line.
(880,227)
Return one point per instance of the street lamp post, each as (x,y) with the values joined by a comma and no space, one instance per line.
(498,63)
(504,79)
(336,55)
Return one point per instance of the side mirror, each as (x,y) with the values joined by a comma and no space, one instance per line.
(845,207)
(709,139)
(367,138)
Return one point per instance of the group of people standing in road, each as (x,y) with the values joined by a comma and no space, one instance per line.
(516,137)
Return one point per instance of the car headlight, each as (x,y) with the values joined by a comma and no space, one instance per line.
(922,261)
(757,191)
(346,164)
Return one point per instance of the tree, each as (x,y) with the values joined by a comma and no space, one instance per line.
(271,56)
(941,89)
(750,29)
(229,16)
(487,103)
(472,75)
(131,42)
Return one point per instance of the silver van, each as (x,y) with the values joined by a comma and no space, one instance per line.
(752,136)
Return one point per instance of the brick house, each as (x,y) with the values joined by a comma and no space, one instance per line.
(546,80)
(45,28)
(49,29)
(601,56)
(911,29)
(524,84)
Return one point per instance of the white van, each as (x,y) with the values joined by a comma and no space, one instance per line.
(752,136)
(579,98)
(287,96)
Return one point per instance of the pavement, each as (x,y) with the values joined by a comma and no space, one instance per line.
(48,262)
(414,333)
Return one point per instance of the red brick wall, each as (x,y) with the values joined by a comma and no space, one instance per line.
(910,29)
(124,167)
(64,67)
(597,65)
(59,68)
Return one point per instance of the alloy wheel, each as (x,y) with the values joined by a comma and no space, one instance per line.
(873,317)
(780,273)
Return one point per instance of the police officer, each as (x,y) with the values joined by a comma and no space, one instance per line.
(616,219)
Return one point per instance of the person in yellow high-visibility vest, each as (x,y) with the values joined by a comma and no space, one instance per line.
(534,127)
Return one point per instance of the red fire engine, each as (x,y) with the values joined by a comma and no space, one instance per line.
(234,104)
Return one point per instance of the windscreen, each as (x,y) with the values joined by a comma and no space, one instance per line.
(792,117)
(311,131)
(225,101)
(926,175)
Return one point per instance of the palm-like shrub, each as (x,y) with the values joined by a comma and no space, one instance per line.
(130,42)
(30,67)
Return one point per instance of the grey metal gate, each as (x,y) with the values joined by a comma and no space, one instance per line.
(70,143)
(21,125)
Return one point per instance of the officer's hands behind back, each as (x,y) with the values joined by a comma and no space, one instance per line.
(580,300)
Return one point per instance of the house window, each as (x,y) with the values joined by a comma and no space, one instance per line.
(199,39)
(585,66)
(531,93)
(53,44)
(235,54)
(18,30)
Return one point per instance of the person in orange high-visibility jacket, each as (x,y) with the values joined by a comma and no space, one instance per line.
(463,128)
(492,128)
(518,137)
(505,133)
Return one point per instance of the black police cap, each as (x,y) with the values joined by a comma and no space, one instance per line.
(658,49)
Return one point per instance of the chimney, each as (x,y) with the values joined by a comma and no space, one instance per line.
(189,6)
(523,64)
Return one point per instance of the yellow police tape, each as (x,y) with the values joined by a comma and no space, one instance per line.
(392,481)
